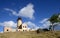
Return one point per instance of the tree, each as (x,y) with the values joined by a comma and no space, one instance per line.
(54,19)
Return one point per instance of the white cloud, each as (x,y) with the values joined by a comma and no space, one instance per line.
(26,11)
(13,24)
(1,24)
(12,11)
(44,20)
(31,25)
(9,24)
(45,23)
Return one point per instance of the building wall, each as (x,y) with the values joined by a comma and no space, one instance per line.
(20,30)
(24,27)
(19,22)
(7,29)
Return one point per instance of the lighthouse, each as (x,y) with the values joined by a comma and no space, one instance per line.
(19,24)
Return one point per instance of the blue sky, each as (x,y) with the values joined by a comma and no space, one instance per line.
(38,11)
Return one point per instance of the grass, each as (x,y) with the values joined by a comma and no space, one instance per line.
(50,34)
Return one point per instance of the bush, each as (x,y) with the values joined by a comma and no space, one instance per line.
(41,30)
(45,29)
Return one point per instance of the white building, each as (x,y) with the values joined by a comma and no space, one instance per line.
(21,26)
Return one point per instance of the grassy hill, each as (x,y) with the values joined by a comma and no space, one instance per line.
(54,34)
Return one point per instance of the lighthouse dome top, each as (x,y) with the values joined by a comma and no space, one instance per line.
(19,18)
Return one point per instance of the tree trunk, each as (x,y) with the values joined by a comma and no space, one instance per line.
(52,27)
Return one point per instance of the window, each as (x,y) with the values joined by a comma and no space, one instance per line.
(7,29)
(25,26)
(19,30)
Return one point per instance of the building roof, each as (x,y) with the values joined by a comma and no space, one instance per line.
(19,18)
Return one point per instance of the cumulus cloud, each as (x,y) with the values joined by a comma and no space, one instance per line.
(9,24)
(13,24)
(45,23)
(12,11)
(26,11)
(32,25)
(44,20)
(1,24)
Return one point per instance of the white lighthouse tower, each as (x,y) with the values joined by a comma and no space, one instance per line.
(19,24)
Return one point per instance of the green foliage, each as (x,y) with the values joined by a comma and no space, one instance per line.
(54,19)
